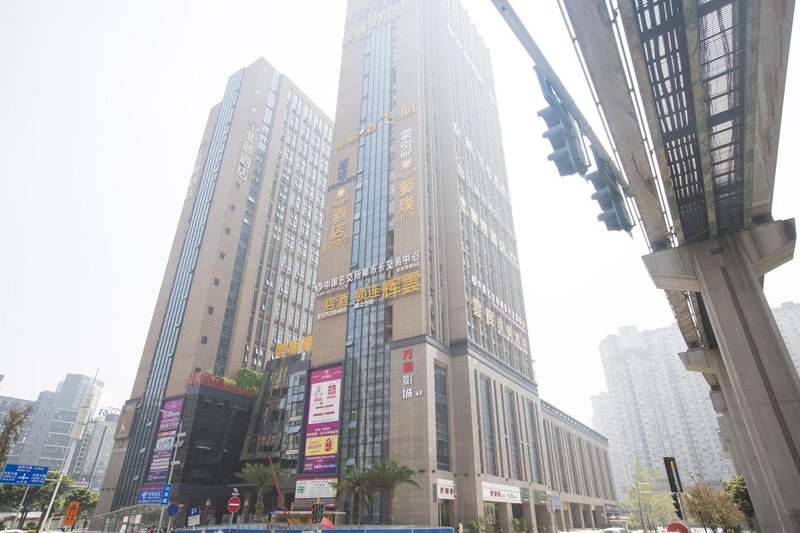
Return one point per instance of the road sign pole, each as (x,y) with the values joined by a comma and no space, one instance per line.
(175,438)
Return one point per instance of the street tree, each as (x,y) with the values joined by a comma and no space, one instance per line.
(263,478)
(713,508)
(647,507)
(12,425)
(737,488)
(357,487)
(85,497)
(388,475)
(38,497)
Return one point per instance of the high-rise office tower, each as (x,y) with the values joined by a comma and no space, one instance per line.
(238,285)
(657,409)
(46,436)
(420,328)
(91,456)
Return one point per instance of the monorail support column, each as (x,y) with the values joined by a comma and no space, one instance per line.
(728,271)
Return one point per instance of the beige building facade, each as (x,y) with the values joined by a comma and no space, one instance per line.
(419,294)
(237,290)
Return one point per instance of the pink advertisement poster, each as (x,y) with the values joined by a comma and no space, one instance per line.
(322,421)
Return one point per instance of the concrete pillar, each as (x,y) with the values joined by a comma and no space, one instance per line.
(732,428)
(763,399)
(504,517)
(529,512)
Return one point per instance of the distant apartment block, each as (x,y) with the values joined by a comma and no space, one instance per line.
(654,408)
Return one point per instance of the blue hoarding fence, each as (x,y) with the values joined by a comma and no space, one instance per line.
(23,474)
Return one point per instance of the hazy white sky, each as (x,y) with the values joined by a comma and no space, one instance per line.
(102,108)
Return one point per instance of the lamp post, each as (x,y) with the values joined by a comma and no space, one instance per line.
(175,445)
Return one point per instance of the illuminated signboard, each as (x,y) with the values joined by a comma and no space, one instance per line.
(321,441)
(162,451)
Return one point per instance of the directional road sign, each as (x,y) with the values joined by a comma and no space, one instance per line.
(23,474)
(165,494)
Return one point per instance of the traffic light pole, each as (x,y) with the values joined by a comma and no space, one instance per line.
(546,71)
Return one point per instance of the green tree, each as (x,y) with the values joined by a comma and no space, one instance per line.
(85,497)
(647,507)
(356,486)
(713,508)
(10,497)
(38,497)
(12,425)
(388,475)
(737,488)
(263,478)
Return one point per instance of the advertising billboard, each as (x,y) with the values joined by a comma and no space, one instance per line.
(162,451)
(126,420)
(321,442)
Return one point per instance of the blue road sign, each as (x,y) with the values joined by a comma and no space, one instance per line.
(165,494)
(23,474)
(173,509)
(194,511)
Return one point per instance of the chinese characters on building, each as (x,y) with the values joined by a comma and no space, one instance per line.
(407,389)
(247,154)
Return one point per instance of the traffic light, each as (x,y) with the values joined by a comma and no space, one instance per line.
(673,477)
(614,213)
(316,512)
(676,502)
(569,153)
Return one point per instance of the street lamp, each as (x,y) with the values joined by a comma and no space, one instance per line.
(175,445)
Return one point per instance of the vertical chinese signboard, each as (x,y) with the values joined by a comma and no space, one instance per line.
(162,451)
(321,441)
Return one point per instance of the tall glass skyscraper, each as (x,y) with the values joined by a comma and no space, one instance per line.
(237,290)
(419,302)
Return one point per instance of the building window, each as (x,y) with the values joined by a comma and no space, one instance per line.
(488,428)
(216,282)
(513,443)
(442,425)
(227,231)
(203,340)
(534,439)
(233,207)
(222,255)
(210,310)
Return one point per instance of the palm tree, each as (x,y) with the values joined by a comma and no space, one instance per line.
(263,478)
(387,475)
(355,485)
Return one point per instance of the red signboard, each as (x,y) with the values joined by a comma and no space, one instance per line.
(234,504)
(677,526)
(72,513)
